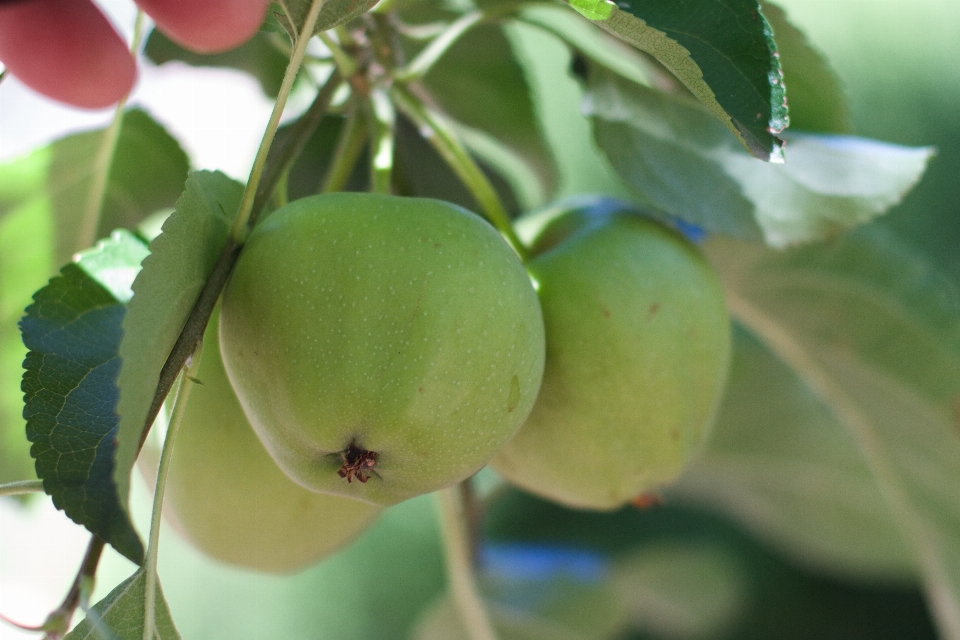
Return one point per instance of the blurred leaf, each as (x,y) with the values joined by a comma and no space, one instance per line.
(147,173)
(257,56)
(723,52)
(310,169)
(420,171)
(814,93)
(588,39)
(121,613)
(181,258)
(682,588)
(567,588)
(673,545)
(442,621)
(874,334)
(73,332)
(534,592)
(680,159)
(333,13)
(373,589)
(26,263)
(480,65)
(782,464)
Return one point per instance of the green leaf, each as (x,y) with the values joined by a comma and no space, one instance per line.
(482,64)
(181,258)
(73,332)
(676,568)
(558,608)
(42,204)
(874,334)
(420,171)
(814,92)
(677,157)
(721,50)
(258,56)
(782,464)
(333,13)
(147,173)
(26,263)
(121,613)
(310,169)
(442,621)
(594,9)
(588,39)
(679,588)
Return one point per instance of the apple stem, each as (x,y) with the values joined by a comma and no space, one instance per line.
(150,561)
(442,136)
(353,137)
(292,144)
(460,568)
(103,161)
(382,120)
(239,230)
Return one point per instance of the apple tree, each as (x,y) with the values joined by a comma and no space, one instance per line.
(629,413)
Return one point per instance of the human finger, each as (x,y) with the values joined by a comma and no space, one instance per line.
(207,26)
(67,50)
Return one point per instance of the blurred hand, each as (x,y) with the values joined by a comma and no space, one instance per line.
(68,51)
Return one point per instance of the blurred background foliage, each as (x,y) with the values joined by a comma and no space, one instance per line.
(897,60)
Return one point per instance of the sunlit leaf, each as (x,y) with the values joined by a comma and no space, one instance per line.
(874,334)
(121,613)
(677,157)
(721,50)
(26,263)
(73,331)
(147,173)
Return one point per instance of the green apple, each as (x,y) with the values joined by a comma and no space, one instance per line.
(225,494)
(382,347)
(638,343)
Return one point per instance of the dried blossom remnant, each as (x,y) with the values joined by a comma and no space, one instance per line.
(356,460)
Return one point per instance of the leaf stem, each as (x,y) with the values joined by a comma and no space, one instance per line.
(150,561)
(345,63)
(459,560)
(441,135)
(446,38)
(239,230)
(421,65)
(382,121)
(353,137)
(21,487)
(282,159)
(58,622)
(103,161)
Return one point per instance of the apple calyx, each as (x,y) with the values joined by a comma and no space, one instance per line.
(356,460)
